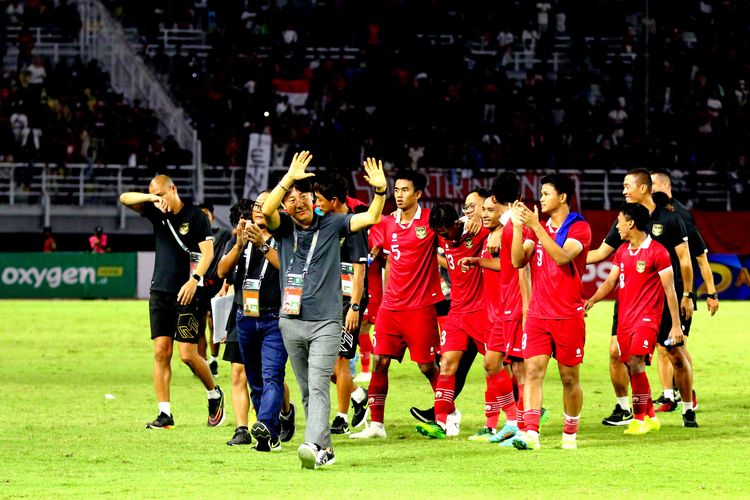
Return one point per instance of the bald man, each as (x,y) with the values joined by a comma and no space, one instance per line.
(184,251)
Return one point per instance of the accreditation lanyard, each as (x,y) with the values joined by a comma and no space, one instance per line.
(291,302)
(251,287)
(195,257)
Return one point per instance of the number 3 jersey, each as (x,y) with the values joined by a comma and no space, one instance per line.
(413,279)
(467,291)
(557,290)
(640,293)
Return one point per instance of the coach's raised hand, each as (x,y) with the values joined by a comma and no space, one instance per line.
(374,175)
(296,171)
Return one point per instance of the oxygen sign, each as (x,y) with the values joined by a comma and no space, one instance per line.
(67,275)
(51,277)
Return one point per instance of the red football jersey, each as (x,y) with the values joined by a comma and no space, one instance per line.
(413,280)
(467,292)
(510,293)
(491,281)
(557,291)
(640,293)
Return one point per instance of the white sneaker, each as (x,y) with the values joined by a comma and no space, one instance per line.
(370,432)
(363,377)
(569,442)
(453,424)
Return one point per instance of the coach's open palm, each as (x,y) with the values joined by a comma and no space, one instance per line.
(374,174)
(300,161)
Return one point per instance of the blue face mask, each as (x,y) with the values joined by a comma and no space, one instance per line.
(318,211)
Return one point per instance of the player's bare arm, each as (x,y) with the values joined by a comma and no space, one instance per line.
(561,255)
(667,281)
(296,172)
(467,263)
(137,201)
(524,285)
(187,292)
(358,285)
(598,255)
(605,288)
(374,176)
(494,240)
(442,261)
(712,303)
(520,250)
(686,268)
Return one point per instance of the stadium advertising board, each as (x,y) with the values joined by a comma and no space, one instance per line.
(67,275)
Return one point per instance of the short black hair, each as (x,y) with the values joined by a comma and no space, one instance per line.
(207,206)
(332,186)
(443,215)
(506,188)
(243,209)
(637,213)
(419,180)
(562,184)
(662,171)
(661,199)
(302,185)
(484,193)
(642,175)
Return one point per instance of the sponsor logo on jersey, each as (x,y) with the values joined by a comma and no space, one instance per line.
(640,266)
(657,229)
(421,232)
(184,228)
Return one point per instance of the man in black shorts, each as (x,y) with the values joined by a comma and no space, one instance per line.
(330,194)
(184,250)
(662,194)
(666,228)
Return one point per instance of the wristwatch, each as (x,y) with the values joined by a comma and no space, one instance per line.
(690,295)
(197,278)
(355,307)
(264,248)
(714,296)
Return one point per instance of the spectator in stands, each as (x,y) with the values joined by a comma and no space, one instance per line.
(98,241)
(49,245)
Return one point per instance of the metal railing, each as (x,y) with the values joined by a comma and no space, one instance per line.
(100,185)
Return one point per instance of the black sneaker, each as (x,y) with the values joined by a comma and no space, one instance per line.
(618,417)
(325,458)
(263,439)
(287,424)
(688,419)
(163,421)
(214,367)
(339,426)
(427,416)
(660,400)
(360,410)
(216,409)
(241,436)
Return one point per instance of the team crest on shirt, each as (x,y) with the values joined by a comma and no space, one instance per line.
(657,229)
(469,243)
(640,266)
(184,228)
(421,232)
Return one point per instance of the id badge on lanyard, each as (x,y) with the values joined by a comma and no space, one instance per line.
(292,297)
(195,257)
(347,277)
(251,298)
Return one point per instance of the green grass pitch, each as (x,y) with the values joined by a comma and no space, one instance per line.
(59,435)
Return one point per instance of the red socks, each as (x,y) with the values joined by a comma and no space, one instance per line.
(444,394)
(378,391)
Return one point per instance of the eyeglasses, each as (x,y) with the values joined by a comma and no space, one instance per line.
(469,208)
(257,206)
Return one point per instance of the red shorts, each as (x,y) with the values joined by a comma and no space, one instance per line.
(513,330)
(496,337)
(461,328)
(371,312)
(562,339)
(416,329)
(640,342)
